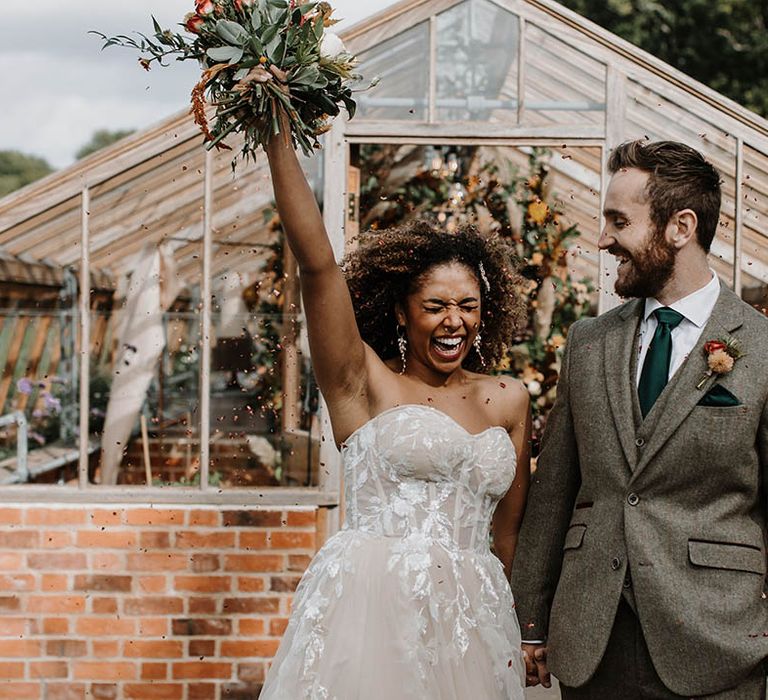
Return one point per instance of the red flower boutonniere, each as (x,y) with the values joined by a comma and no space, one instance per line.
(721,355)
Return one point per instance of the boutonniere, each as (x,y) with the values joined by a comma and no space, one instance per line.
(721,355)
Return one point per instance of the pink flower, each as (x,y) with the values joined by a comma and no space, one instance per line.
(204,7)
(720,362)
(194,23)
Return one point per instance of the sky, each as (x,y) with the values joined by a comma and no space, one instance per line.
(57,87)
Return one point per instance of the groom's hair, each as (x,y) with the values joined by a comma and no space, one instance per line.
(680,178)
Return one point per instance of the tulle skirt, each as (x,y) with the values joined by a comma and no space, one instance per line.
(379,618)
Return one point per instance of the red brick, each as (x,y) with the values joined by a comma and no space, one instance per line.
(103,606)
(100,518)
(253,673)
(56,604)
(105,627)
(201,669)
(20,539)
(251,584)
(153,670)
(55,625)
(253,540)
(154,540)
(292,540)
(107,561)
(55,562)
(10,670)
(284,584)
(299,518)
(152,584)
(10,561)
(202,691)
(252,647)
(151,516)
(203,606)
(9,603)
(277,626)
(105,582)
(199,540)
(103,691)
(205,563)
(20,691)
(104,670)
(202,648)
(160,605)
(251,605)
(10,516)
(105,649)
(153,626)
(17,582)
(55,516)
(250,627)
(65,691)
(70,648)
(12,626)
(48,669)
(254,562)
(19,648)
(54,583)
(56,539)
(252,518)
(205,518)
(153,691)
(156,649)
(203,584)
(157,562)
(208,627)
(108,539)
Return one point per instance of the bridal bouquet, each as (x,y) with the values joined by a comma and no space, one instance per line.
(258,56)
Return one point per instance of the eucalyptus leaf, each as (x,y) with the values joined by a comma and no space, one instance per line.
(231,54)
(231,32)
(256,19)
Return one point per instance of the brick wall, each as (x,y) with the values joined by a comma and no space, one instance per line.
(124,602)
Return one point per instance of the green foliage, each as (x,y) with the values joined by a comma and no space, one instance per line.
(19,169)
(722,43)
(101,139)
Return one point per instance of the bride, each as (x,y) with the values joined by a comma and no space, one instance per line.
(407,600)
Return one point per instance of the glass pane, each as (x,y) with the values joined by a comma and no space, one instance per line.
(562,84)
(754,212)
(653,117)
(402,63)
(477,51)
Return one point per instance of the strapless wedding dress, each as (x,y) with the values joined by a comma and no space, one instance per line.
(407,601)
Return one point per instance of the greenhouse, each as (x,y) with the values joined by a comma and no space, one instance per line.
(156,369)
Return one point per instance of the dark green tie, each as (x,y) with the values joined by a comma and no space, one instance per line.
(653,378)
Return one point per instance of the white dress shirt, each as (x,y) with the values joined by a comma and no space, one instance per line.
(696,309)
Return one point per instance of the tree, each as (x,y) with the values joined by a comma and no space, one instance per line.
(101,139)
(18,169)
(722,43)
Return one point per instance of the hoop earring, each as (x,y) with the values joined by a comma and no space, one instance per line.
(402,345)
(476,343)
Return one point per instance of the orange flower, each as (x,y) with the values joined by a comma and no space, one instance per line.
(720,362)
(538,212)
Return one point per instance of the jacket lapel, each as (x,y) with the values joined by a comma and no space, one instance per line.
(686,388)
(619,354)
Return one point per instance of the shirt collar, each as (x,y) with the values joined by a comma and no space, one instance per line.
(696,307)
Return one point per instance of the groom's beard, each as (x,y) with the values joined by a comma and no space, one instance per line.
(645,274)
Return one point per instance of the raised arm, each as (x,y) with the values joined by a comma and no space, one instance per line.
(338,352)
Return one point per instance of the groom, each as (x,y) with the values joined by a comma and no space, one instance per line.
(640,567)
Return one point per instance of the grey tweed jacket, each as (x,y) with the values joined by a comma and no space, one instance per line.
(676,501)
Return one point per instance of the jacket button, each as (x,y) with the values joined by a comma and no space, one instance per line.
(640,442)
(633,499)
(616,563)
(627,582)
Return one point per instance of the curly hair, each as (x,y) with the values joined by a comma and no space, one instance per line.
(390,265)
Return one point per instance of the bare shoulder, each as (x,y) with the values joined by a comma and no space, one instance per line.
(506,399)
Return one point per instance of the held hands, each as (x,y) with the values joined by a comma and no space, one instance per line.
(536,671)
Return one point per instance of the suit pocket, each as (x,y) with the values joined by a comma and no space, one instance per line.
(719,396)
(724,555)
(574,537)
